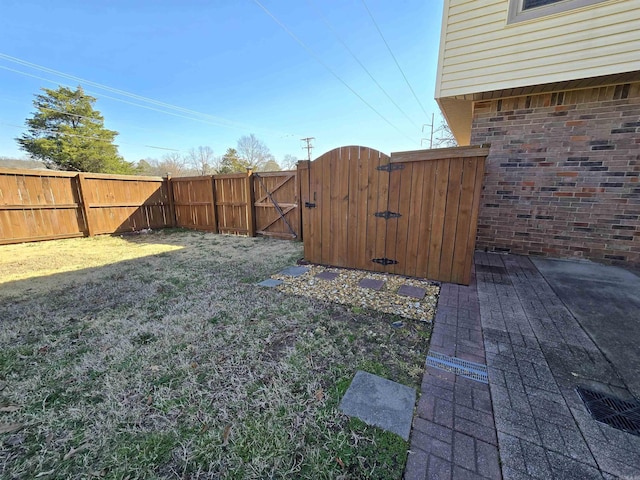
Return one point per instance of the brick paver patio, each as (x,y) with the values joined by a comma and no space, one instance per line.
(529,422)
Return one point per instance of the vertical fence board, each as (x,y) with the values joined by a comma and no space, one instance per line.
(81,186)
(352,163)
(374,246)
(249,198)
(393,206)
(404,202)
(451,217)
(316,227)
(426,216)
(475,210)
(437,223)
(305,201)
(362,199)
(464,218)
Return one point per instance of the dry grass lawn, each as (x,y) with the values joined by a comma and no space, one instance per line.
(156,356)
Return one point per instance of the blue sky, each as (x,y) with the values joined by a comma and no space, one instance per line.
(230,67)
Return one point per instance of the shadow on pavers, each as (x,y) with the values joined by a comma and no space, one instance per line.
(605,300)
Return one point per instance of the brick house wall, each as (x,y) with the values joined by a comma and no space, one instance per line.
(562,176)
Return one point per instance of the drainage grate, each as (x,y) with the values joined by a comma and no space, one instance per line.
(621,414)
(464,368)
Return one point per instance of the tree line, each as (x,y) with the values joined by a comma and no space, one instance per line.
(66,132)
(250,154)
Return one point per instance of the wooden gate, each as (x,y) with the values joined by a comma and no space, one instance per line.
(414,213)
(276,204)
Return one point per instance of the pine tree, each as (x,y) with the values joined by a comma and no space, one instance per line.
(66,133)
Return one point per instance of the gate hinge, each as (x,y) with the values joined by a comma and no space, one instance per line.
(384,261)
(309,205)
(389,167)
(387,215)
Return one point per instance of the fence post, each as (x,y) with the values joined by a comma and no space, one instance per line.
(173,222)
(300,208)
(81,183)
(251,220)
(214,213)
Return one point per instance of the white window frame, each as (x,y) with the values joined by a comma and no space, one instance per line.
(517,14)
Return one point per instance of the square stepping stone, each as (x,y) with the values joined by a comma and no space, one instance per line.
(371,283)
(414,292)
(269,282)
(327,275)
(294,271)
(380,402)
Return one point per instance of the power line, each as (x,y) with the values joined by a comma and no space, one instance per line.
(329,69)
(206,118)
(101,95)
(394,57)
(339,38)
(47,130)
(118,91)
(118,99)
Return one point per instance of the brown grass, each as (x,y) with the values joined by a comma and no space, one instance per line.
(157,357)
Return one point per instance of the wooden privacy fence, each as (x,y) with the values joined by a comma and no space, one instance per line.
(217,203)
(44,205)
(411,213)
(414,213)
(41,205)
(264,203)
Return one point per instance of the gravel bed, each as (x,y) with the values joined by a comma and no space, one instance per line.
(345,290)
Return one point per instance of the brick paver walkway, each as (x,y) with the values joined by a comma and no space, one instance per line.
(453,435)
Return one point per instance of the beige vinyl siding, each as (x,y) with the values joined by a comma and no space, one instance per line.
(480,52)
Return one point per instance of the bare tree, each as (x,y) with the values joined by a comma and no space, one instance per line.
(253,153)
(289,162)
(203,160)
(173,164)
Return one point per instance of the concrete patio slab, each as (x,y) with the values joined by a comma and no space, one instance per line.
(539,350)
(606,302)
(380,402)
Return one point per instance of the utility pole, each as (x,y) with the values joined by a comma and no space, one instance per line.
(308,147)
(431,136)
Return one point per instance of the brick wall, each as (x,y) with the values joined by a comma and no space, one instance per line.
(562,177)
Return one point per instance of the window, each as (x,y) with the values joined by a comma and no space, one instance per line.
(527,4)
(522,10)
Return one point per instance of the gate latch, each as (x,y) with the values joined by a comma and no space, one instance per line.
(309,205)
(384,261)
(387,215)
